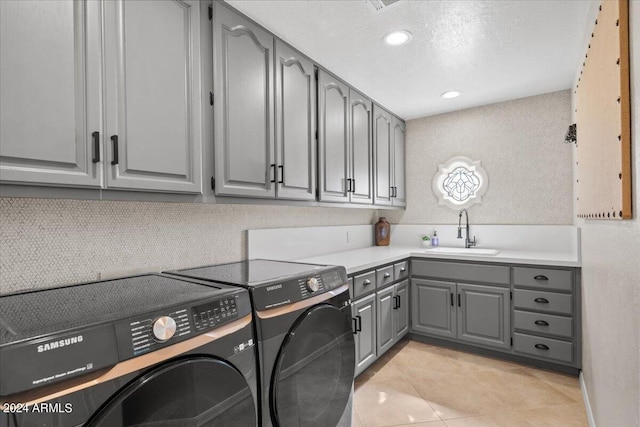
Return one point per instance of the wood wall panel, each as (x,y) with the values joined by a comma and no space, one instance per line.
(603,118)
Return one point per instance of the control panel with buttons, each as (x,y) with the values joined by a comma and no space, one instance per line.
(214,313)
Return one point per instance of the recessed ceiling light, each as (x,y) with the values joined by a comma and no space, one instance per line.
(451,94)
(397,38)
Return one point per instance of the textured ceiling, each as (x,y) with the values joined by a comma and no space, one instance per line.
(492,51)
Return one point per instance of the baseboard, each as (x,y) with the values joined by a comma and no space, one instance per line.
(587,404)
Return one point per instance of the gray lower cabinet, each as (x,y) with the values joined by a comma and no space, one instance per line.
(152,75)
(547,314)
(393,314)
(50,108)
(401,307)
(529,311)
(243,106)
(483,315)
(472,313)
(364,314)
(117,104)
(386,330)
(433,307)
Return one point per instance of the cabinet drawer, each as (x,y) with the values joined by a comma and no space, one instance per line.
(401,270)
(543,278)
(462,272)
(543,323)
(384,276)
(364,283)
(543,301)
(543,347)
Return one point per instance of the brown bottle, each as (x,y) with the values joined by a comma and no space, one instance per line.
(383,232)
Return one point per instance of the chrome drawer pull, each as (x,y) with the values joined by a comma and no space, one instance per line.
(542,300)
(542,347)
(386,275)
(366,282)
(402,270)
(541,323)
(541,277)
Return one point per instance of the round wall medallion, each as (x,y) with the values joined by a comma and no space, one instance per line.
(460,182)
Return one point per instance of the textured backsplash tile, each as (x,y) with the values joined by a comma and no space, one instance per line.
(46,242)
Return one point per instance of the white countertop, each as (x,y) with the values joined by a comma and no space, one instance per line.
(366,258)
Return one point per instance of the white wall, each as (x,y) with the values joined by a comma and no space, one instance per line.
(53,242)
(611,289)
(520,144)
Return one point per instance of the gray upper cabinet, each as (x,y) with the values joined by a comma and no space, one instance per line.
(361,152)
(382,156)
(295,125)
(389,145)
(483,315)
(243,106)
(56,132)
(333,138)
(399,191)
(153,95)
(50,82)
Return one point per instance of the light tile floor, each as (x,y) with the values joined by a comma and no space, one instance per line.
(421,385)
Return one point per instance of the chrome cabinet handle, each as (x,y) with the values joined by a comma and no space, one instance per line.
(366,282)
(386,275)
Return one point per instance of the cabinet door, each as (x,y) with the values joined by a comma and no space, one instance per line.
(333,138)
(483,315)
(433,309)
(243,107)
(401,312)
(153,95)
(361,155)
(50,81)
(295,125)
(386,328)
(399,194)
(382,155)
(364,311)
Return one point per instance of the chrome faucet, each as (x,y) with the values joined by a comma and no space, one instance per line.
(467,242)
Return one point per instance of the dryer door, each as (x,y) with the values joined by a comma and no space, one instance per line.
(313,375)
(193,392)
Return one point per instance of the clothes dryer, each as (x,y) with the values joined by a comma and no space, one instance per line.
(305,338)
(149,350)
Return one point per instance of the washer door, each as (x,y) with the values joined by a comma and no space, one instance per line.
(313,374)
(193,392)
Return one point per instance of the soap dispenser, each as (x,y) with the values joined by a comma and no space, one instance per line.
(434,239)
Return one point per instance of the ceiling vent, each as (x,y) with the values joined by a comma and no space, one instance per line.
(378,5)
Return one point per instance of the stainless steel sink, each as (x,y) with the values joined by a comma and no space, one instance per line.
(463,251)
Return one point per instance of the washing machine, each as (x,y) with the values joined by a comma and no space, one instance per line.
(150,350)
(305,338)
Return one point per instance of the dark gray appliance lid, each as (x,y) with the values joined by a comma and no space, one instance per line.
(32,314)
(252,272)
